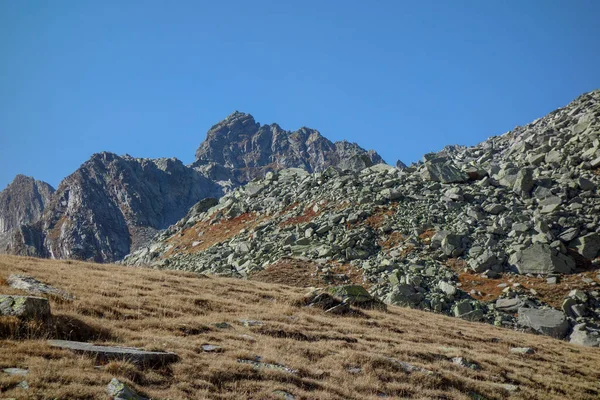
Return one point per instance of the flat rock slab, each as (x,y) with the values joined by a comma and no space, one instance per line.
(16,371)
(32,285)
(107,353)
(27,307)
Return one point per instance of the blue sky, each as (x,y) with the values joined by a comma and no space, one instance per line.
(149,78)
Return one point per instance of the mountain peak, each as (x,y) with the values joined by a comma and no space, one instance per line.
(250,149)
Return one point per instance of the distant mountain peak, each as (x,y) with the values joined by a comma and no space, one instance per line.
(249,149)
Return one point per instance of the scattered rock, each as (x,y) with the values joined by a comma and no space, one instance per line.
(258,364)
(546,321)
(463,362)
(588,246)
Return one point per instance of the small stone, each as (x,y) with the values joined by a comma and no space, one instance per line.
(251,322)
(211,348)
(463,362)
(522,350)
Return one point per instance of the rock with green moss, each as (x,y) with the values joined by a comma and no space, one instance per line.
(356,295)
(26,307)
(117,390)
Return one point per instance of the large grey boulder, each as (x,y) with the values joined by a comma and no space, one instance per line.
(356,295)
(32,285)
(509,305)
(404,295)
(439,172)
(588,246)
(452,245)
(26,307)
(524,182)
(541,259)
(484,261)
(546,321)
(107,353)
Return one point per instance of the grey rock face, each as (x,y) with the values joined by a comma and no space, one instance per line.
(249,149)
(547,321)
(112,205)
(22,202)
(26,307)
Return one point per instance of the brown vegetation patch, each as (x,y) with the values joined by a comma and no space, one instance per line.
(392,240)
(291,272)
(180,312)
(304,274)
(379,217)
(207,234)
(427,235)
(307,215)
(552,294)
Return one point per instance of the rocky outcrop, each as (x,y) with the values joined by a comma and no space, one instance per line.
(22,202)
(111,205)
(244,150)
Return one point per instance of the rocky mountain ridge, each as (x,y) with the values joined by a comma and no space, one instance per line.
(112,205)
(498,232)
(245,149)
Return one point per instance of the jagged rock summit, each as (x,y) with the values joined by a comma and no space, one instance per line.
(113,205)
(22,202)
(248,150)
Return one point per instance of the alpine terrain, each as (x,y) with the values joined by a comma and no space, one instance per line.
(282,265)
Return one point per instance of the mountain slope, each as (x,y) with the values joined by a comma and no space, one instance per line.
(307,353)
(111,204)
(440,235)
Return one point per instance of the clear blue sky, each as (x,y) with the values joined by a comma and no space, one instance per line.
(149,78)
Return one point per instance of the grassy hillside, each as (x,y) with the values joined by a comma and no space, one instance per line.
(334,357)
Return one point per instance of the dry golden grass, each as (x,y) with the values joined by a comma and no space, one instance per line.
(177,311)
